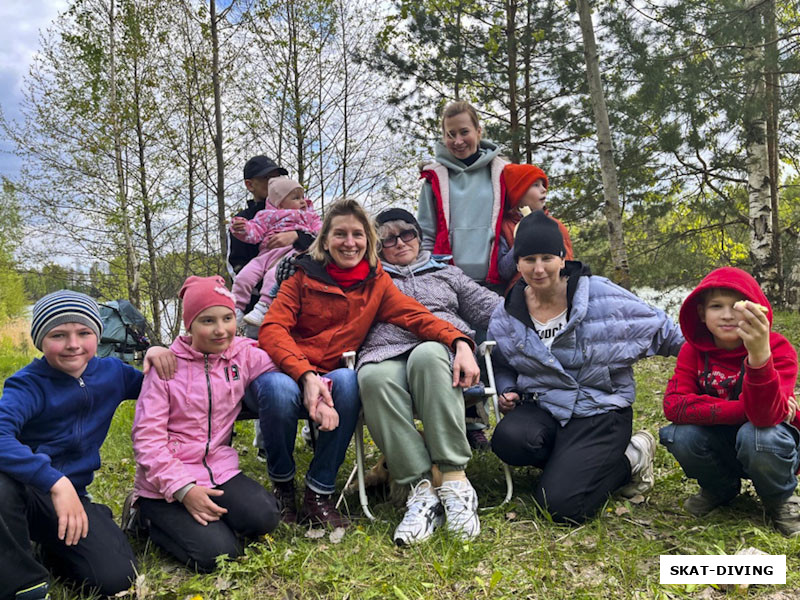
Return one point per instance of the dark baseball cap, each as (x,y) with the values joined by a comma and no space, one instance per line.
(261,166)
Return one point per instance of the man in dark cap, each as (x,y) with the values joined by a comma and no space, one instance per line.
(257,173)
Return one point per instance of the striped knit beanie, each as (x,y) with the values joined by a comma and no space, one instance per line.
(64,306)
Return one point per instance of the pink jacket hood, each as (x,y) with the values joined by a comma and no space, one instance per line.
(182,427)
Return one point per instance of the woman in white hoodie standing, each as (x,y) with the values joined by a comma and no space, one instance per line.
(461,212)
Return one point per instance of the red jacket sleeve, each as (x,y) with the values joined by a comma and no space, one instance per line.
(684,405)
(275,335)
(766,390)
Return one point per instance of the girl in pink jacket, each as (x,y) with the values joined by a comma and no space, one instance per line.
(286,211)
(189,490)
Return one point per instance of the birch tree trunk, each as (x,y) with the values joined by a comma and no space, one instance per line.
(760,212)
(619,255)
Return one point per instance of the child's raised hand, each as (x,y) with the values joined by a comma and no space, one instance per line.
(202,508)
(238,224)
(327,417)
(73,524)
(162,360)
(754,331)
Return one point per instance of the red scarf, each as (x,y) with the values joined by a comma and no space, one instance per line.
(348,277)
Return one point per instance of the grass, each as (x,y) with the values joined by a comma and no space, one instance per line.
(520,553)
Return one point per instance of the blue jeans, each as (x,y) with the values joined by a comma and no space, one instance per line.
(280,406)
(718,456)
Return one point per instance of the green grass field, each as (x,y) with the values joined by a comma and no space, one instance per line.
(520,554)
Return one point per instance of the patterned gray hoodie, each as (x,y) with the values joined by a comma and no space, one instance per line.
(444,290)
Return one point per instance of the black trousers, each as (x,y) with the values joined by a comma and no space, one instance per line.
(252,511)
(582,463)
(103,560)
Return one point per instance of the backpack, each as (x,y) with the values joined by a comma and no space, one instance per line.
(124,331)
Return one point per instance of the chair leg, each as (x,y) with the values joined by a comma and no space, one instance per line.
(486,350)
(358,470)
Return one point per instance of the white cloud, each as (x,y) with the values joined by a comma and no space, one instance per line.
(20,23)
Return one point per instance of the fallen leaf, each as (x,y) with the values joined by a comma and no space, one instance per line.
(637,499)
(315,534)
(622,510)
(223,584)
(337,535)
(510,516)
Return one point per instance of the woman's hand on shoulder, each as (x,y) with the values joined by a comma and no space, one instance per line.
(162,360)
(466,372)
(507,402)
(200,505)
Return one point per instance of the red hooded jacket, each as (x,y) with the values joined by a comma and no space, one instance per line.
(702,391)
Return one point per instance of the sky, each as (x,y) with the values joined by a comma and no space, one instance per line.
(20,23)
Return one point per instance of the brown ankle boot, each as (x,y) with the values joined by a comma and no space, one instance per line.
(285,494)
(320,509)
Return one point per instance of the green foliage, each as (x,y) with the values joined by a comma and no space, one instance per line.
(519,554)
(12,297)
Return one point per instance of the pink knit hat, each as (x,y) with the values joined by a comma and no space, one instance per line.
(279,188)
(200,293)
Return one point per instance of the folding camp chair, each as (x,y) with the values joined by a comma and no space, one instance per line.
(471,396)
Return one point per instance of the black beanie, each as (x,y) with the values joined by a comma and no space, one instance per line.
(538,234)
(398,214)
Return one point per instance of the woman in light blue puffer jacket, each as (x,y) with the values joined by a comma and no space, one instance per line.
(566,344)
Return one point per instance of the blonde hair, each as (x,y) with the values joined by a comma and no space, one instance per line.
(458,107)
(343,208)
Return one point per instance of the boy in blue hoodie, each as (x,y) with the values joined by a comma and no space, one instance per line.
(54,416)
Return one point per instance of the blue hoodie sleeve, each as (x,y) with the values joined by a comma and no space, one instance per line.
(132,382)
(21,401)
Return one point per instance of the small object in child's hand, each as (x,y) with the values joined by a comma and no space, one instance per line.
(740,306)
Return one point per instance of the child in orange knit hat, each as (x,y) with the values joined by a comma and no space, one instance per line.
(526,192)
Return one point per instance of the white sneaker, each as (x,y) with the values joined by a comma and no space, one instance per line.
(461,507)
(642,477)
(423,515)
(256,316)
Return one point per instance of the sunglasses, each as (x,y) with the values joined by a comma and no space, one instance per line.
(406,236)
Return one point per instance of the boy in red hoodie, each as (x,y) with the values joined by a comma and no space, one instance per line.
(730,402)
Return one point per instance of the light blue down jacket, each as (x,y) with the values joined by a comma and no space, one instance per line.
(588,370)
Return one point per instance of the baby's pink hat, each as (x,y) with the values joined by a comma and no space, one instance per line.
(200,293)
(279,188)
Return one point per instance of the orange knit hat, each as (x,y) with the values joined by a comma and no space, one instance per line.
(518,179)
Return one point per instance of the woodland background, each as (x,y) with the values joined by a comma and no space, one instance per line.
(670,130)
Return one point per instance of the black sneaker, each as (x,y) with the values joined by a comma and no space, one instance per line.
(130,520)
(704,502)
(786,516)
(477,440)
(285,493)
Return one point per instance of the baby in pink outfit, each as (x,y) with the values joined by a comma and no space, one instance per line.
(285,210)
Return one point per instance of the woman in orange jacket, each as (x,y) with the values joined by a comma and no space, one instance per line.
(326,308)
